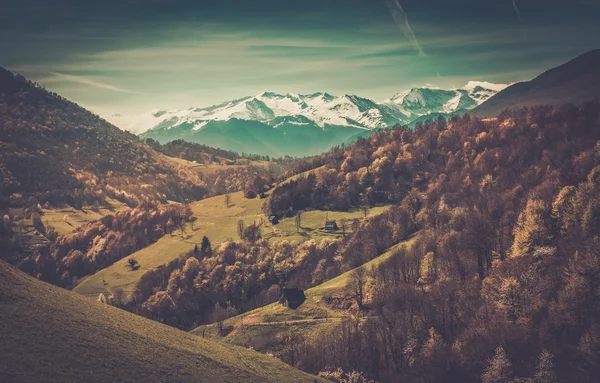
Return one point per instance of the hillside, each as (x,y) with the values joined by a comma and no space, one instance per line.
(52,150)
(52,335)
(289,138)
(508,249)
(575,82)
(265,328)
(219,224)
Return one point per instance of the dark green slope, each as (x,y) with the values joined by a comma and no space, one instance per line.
(576,82)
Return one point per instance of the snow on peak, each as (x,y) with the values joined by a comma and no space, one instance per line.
(472,85)
(320,108)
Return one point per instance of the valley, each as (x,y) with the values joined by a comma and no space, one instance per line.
(455,236)
(218,223)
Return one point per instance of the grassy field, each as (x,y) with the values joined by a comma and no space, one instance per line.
(218,223)
(313,222)
(56,218)
(264,328)
(76,218)
(214,220)
(54,335)
(213,167)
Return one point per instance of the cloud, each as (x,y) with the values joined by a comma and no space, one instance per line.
(56,77)
(401,18)
(517,11)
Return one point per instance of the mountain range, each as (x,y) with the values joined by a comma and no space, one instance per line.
(301,124)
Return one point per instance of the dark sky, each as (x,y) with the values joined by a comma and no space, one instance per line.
(131,55)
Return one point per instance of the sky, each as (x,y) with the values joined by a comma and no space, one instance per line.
(130,56)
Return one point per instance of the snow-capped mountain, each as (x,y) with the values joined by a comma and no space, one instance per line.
(321,109)
(301,124)
(419,102)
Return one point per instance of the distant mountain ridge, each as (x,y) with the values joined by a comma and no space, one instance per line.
(322,109)
(300,124)
(576,82)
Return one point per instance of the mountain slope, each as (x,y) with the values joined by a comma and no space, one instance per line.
(575,82)
(299,125)
(290,137)
(52,335)
(321,109)
(55,151)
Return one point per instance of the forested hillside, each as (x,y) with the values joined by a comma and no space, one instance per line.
(52,150)
(504,275)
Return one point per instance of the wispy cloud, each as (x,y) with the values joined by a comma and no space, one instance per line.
(517,10)
(56,77)
(401,18)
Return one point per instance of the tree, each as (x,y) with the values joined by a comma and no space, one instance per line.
(133,264)
(298,220)
(37,223)
(227,199)
(170,226)
(220,313)
(240,229)
(205,248)
(531,229)
(499,369)
(355,225)
(292,341)
(182,228)
(343,224)
(545,369)
(358,279)
(252,233)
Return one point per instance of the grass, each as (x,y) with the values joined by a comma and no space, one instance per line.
(214,221)
(313,222)
(54,335)
(206,169)
(78,217)
(262,328)
(55,218)
(219,224)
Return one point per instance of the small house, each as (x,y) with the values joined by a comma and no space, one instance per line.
(292,297)
(273,220)
(331,225)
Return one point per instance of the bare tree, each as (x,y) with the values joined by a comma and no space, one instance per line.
(221,313)
(182,225)
(170,226)
(298,221)
(227,199)
(343,224)
(240,227)
(358,279)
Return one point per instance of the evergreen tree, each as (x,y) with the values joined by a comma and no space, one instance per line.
(499,369)
(545,369)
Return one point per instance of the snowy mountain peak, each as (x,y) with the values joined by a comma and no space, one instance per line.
(472,85)
(321,109)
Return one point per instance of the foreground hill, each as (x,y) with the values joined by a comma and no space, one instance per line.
(575,82)
(52,335)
